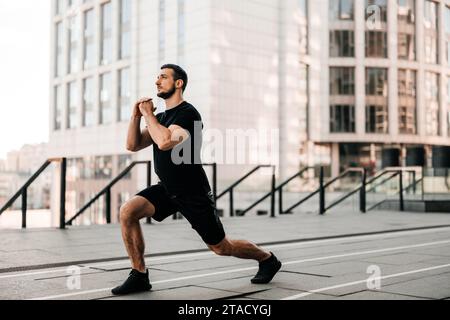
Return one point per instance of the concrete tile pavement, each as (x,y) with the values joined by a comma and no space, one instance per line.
(52,246)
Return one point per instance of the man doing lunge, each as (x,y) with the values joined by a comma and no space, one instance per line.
(183,185)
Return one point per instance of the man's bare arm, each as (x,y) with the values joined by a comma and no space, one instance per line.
(137,139)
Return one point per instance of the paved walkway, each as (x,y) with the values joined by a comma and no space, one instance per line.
(325,257)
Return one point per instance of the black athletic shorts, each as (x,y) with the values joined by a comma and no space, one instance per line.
(199,210)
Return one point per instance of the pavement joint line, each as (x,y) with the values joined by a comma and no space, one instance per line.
(248,269)
(348,284)
(205,253)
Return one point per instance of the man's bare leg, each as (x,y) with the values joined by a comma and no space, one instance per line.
(130,215)
(242,249)
(269,265)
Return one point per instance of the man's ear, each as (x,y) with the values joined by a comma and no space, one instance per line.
(179,84)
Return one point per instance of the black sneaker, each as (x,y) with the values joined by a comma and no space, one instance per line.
(136,282)
(267,270)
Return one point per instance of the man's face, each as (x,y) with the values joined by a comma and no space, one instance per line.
(166,84)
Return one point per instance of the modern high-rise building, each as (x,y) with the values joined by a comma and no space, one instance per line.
(332,82)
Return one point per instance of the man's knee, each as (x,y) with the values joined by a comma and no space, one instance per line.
(224,248)
(128,214)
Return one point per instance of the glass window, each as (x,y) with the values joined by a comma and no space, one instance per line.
(341,10)
(406,29)
(407,101)
(431,31)
(342,81)
(73,3)
(89,34)
(106,111)
(304,99)
(125,29)
(74,28)
(303,27)
(72,97)
(342,43)
(106,38)
(59,65)
(376,44)
(448,106)
(406,13)
(103,167)
(447,20)
(303,6)
(162,30)
(447,32)
(376,119)
(432,103)
(406,46)
(88,168)
(59,7)
(181,31)
(124,94)
(58,108)
(376,82)
(74,169)
(88,102)
(342,118)
(124,162)
(376,100)
(381,6)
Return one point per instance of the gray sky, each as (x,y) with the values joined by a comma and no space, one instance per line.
(24,72)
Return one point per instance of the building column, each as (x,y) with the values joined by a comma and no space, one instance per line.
(360,72)
(420,53)
(428,156)
(335,159)
(392,30)
(403,155)
(443,63)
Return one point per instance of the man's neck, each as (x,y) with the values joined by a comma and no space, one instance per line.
(173,102)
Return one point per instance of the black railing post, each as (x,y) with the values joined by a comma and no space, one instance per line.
(108,205)
(423,179)
(362,194)
(231,203)
(280,200)
(62,196)
(272,196)
(402,204)
(24,208)
(149,182)
(321,192)
(414,182)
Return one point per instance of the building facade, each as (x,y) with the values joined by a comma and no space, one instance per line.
(15,171)
(384,68)
(363,82)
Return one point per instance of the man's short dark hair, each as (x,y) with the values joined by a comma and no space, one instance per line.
(178,73)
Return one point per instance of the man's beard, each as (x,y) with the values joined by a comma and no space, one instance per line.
(167,95)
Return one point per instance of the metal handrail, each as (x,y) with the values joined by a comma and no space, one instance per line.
(322,187)
(107,192)
(23,191)
(277,189)
(231,188)
(363,191)
(394,174)
(413,185)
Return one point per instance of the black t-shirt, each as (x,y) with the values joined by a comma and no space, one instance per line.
(180,169)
